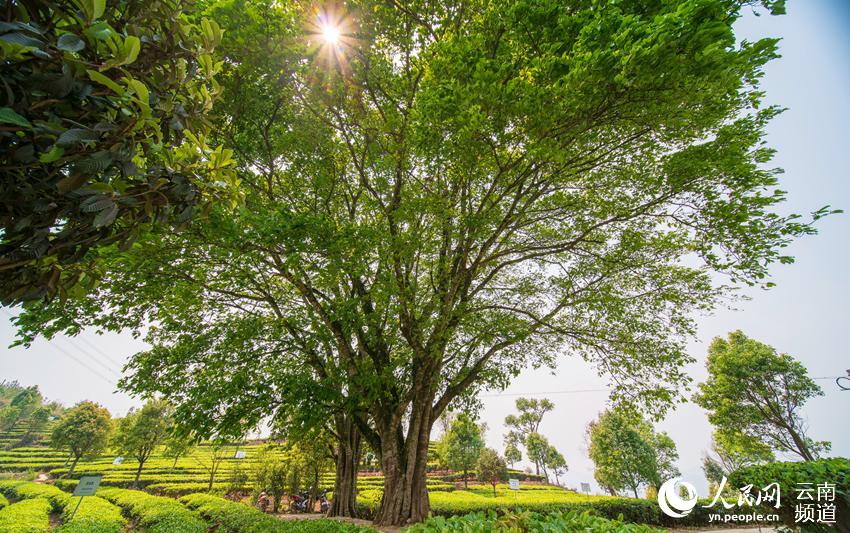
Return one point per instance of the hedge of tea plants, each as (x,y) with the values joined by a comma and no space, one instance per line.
(528,522)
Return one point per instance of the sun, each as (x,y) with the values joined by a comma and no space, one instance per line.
(330,33)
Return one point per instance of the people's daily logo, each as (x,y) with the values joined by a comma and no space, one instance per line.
(672,502)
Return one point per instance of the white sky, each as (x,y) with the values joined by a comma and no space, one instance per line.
(806,315)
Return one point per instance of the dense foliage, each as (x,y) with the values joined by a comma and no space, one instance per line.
(528,521)
(102,132)
(793,476)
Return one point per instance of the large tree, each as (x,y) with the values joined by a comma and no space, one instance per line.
(753,396)
(102,133)
(448,193)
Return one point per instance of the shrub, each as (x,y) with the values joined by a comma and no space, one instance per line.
(239,518)
(154,513)
(788,475)
(3,501)
(527,521)
(544,500)
(30,516)
(94,514)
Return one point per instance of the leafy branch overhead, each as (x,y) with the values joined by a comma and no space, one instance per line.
(102,134)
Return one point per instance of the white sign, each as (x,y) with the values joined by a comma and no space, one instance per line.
(514,484)
(118,460)
(240,454)
(87,486)
(585,487)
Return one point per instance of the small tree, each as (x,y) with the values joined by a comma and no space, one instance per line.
(753,396)
(83,430)
(528,421)
(512,454)
(464,443)
(727,458)
(141,431)
(212,461)
(628,453)
(538,449)
(37,421)
(556,462)
(271,473)
(491,468)
(177,445)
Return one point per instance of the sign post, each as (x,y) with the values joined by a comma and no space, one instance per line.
(514,485)
(86,487)
(585,487)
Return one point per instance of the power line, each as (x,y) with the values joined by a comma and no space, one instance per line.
(90,369)
(93,358)
(539,393)
(73,357)
(101,352)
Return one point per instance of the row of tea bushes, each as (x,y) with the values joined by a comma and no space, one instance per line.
(528,522)
(155,514)
(233,517)
(94,514)
(30,516)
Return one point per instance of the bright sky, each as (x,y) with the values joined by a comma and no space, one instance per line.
(806,315)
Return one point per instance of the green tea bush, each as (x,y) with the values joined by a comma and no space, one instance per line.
(239,518)
(544,501)
(527,521)
(834,471)
(3,501)
(93,515)
(30,516)
(154,513)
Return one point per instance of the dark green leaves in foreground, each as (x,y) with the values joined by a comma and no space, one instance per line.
(102,134)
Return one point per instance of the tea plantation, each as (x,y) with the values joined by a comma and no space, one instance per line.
(175,497)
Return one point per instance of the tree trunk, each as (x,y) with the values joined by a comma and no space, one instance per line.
(73,465)
(344,502)
(212,478)
(404,460)
(138,473)
(802,447)
(465,481)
